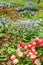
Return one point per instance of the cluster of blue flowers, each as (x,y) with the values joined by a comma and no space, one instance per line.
(4,20)
(6,4)
(28,23)
(27,29)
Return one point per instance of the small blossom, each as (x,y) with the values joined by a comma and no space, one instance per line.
(22,45)
(37,62)
(12,57)
(33,57)
(26,48)
(30,53)
(40,43)
(33,50)
(15,61)
(33,43)
(20,54)
(29,46)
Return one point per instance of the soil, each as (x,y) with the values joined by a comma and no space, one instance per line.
(6,63)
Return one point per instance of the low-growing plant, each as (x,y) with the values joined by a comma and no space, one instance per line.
(1,27)
(26,30)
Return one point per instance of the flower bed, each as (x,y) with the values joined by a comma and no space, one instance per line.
(15,45)
(29,51)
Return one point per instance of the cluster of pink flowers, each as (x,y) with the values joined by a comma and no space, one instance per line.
(30,51)
(14,59)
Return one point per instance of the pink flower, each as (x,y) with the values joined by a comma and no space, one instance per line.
(15,61)
(12,57)
(33,57)
(30,53)
(33,47)
(33,43)
(26,48)
(37,62)
(29,46)
(33,50)
(35,53)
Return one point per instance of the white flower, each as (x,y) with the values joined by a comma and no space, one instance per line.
(20,54)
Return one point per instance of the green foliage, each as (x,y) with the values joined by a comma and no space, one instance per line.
(1,30)
(40,5)
(1,35)
(1,27)
(41,30)
(39,15)
(3,57)
(25,61)
(9,28)
(32,15)
(11,50)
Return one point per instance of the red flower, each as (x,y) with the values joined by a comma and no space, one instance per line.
(22,45)
(40,43)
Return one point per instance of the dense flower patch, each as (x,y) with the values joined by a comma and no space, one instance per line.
(16,39)
(28,51)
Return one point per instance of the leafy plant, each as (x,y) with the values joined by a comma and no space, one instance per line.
(11,50)
(3,57)
(26,30)
(1,27)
